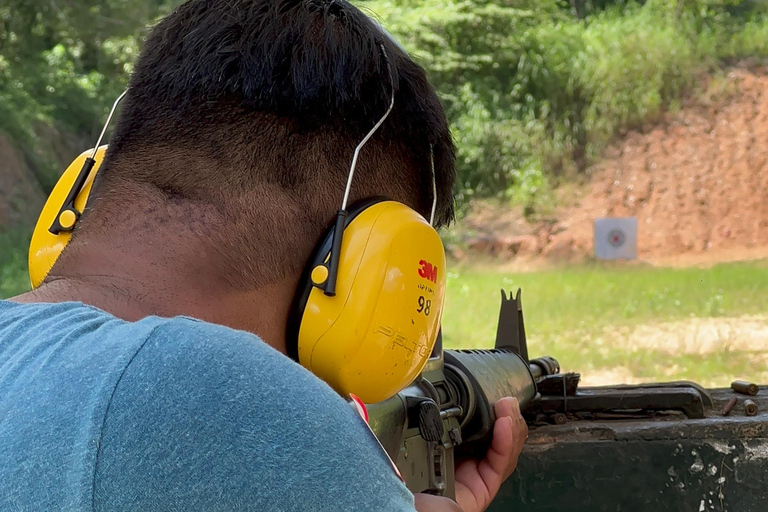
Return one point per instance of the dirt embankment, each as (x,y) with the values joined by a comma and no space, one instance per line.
(697,183)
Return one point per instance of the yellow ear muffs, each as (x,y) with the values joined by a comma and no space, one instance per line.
(50,237)
(375,335)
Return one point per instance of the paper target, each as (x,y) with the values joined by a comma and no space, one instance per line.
(616,238)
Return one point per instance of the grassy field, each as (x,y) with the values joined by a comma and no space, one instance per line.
(589,317)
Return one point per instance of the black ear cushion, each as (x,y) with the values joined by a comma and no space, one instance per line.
(319,254)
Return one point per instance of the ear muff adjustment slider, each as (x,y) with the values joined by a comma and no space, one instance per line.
(333,264)
(68,214)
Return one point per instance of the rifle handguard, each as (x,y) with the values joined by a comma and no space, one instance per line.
(478,379)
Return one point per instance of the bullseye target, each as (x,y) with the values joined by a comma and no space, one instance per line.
(616,238)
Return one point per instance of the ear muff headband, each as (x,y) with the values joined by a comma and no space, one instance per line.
(375,336)
(48,243)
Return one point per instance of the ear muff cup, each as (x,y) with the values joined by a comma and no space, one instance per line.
(375,336)
(46,247)
(319,256)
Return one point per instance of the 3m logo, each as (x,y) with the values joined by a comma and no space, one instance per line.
(428,271)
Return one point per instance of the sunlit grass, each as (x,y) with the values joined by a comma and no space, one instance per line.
(573,314)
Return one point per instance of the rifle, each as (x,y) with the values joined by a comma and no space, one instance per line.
(448,411)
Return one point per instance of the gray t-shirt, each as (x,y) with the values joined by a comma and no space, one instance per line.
(173,414)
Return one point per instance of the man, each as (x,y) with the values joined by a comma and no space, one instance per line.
(148,371)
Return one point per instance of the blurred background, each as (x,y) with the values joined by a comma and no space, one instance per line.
(563,111)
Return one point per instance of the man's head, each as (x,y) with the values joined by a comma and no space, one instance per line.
(238,130)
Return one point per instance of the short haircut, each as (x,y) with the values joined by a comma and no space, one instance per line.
(261,102)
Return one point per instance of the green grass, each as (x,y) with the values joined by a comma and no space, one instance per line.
(568,313)
(14,279)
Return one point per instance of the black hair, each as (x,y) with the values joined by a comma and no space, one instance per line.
(263,90)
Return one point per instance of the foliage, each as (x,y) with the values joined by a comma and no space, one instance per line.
(535,89)
(61,64)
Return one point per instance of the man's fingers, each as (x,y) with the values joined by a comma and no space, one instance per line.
(428,503)
(508,406)
(509,435)
(505,446)
(478,482)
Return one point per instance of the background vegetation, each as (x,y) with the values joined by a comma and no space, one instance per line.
(61,65)
(534,88)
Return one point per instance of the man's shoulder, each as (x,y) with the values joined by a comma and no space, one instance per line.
(95,335)
(190,333)
(230,376)
(179,414)
(206,411)
(217,355)
(71,327)
(151,348)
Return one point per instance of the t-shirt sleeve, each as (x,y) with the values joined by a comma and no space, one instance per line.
(208,418)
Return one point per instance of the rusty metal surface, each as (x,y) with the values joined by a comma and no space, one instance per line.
(655,464)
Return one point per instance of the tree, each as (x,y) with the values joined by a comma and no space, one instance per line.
(61,64)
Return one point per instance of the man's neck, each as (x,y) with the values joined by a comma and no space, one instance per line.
(164,280)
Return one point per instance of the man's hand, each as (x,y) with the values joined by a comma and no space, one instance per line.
(477,482)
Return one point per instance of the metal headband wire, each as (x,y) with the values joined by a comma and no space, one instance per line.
(109,120)
(370,133)
(434,185)
(329,288)
(60,223)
